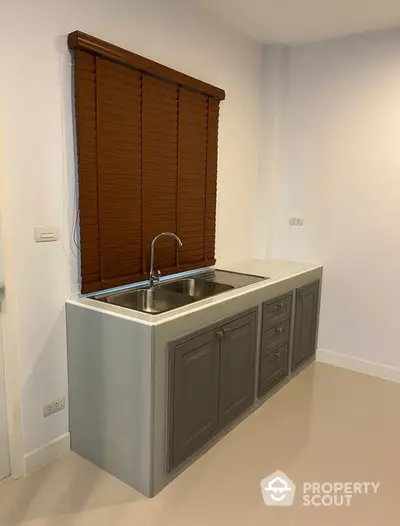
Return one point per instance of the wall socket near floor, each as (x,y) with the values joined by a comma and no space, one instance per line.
(54,406)
(296,221)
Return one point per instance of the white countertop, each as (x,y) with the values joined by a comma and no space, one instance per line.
(276,270)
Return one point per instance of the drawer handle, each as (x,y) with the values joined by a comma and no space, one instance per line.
(225,330)
(279,329)
(277,353)
(281,305)
(219,334)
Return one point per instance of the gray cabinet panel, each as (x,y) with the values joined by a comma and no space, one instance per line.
(277,311)
(237,368)
(273,367)
(306,323)
(211,382)
(195,378)
(275,340)
(275,337)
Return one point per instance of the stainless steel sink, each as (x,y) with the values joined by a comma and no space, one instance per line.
(170,295)
(152,301)
(196,288)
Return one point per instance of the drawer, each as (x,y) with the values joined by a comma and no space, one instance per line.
(277,311)
(275,338)
(273,367)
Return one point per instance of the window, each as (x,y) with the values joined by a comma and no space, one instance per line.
(147,142)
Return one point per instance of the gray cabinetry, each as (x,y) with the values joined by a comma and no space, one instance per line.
(275,337)
(146,398)
(274,355)
(273,367)
(277,311)
(305,330)
(195,377)
(237,375)
(212,377)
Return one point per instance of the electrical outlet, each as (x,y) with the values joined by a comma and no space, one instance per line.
(54,406)
(296,221)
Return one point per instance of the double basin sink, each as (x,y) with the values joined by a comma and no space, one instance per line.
(177,293)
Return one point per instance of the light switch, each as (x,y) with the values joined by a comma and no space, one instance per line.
(44,234)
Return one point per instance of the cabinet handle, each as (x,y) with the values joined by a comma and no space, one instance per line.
(276,353)
(281,305)
(225,330)
(219,334)
(279,329)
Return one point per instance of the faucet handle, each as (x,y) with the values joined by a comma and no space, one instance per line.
(158,276)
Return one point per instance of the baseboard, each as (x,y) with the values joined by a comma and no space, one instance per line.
(46,454)
(361,366)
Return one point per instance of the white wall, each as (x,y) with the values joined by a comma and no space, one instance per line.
(35,98)
(340,170)
(4,450)
(273,86)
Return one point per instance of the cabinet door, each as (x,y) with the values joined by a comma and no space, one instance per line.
(237,376)
(306,323)
(194,395)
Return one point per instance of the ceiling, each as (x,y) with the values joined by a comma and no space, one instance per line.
(296,21)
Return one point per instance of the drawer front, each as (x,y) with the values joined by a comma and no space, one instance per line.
(275,338)
(273,367)
(277,312)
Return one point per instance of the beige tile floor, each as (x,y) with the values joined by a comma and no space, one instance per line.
(328,424)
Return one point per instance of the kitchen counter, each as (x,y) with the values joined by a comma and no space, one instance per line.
(120,365)
(274,269)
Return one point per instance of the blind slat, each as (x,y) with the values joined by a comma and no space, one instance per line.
(211,178)
(86,134)
(160,142)
(119,154)
(192,162)
(147,159)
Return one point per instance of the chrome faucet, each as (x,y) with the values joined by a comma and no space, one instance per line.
(155,278)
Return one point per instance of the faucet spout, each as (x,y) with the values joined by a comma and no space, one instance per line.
(153,278)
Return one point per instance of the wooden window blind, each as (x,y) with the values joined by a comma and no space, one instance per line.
(147,145)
